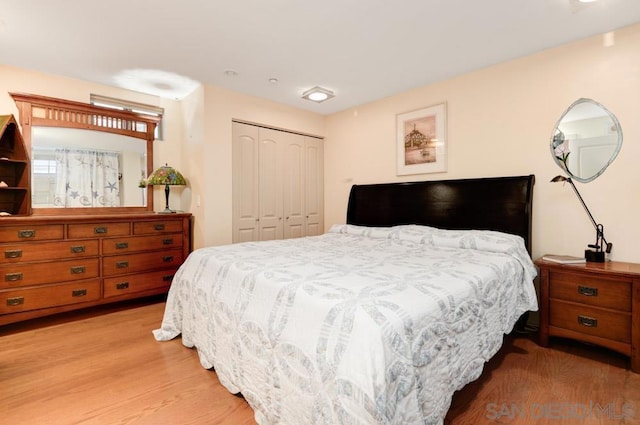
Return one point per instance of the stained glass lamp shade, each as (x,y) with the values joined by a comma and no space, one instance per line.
(167,176)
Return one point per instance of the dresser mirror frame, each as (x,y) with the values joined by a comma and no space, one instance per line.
(43,111)
(591,135)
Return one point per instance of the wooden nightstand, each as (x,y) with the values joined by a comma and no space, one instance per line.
(597,303)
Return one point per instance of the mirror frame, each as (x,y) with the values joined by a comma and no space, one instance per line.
(43,111)
(616,123)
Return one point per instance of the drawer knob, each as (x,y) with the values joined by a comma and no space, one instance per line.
(159,226)
(99,230)
(167,277)
(25,234)
(78,292)
(167,258)
(167,241)
(122,285)
(12,302)
(14,253)
(78,269)
(77,249)
(13,277)
(122,264)
(587,291)
(122,245)
(589,322)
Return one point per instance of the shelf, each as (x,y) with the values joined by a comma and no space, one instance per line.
(7,161)
(15,197)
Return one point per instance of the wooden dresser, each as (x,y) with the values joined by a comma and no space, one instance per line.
(597,303)
(54,264)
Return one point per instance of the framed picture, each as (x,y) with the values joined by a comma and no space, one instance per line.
(422,142)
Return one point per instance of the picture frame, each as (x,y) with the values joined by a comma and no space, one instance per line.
(422,141)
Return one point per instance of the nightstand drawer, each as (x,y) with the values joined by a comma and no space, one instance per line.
(591,320)
(49,296)
(591,290)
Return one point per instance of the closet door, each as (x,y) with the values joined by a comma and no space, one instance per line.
(246,210)
(277,184)
(313,186)
(294,187)
(272,144)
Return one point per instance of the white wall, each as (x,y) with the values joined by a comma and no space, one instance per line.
(500,121)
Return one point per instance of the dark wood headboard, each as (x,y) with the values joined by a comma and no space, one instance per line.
(495,203)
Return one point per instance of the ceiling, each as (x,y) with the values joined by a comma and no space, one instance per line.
(362,50)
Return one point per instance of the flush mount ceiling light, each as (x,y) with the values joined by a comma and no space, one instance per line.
(318,94)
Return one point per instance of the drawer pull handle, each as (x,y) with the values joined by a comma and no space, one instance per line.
(78,269)
(167,277)
(122,245)
(122,285)
(167,258)
(588,321)
(100,230)
(587,291)
(12,302)
(79,293)
(159,226)
(77,249)
(13,277)
(25,234)
(168,241)
(16,253)
(122,264)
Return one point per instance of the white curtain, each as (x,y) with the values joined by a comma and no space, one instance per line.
(86,178)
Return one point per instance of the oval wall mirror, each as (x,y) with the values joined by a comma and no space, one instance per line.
(586,139)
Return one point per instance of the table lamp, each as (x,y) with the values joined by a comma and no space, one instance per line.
(597,250)
(168,176)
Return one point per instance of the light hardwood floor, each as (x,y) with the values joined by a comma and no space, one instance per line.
(104,367)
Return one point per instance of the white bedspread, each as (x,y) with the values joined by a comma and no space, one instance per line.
(357,326)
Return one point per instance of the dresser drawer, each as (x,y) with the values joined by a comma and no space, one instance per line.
(37,251)
(154,227)
(28,274)
(116,286)
(591,290)
(49,296)
(591,320)
(41,232)
(146,261)
(92,230)
(141,243)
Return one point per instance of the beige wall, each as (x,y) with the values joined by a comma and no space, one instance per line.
(220,108)
(197,139)
(168,150)
(500,120)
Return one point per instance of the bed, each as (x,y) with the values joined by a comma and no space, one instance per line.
(378,321)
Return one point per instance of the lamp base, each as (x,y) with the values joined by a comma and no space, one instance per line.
(594,256)
(167,211)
